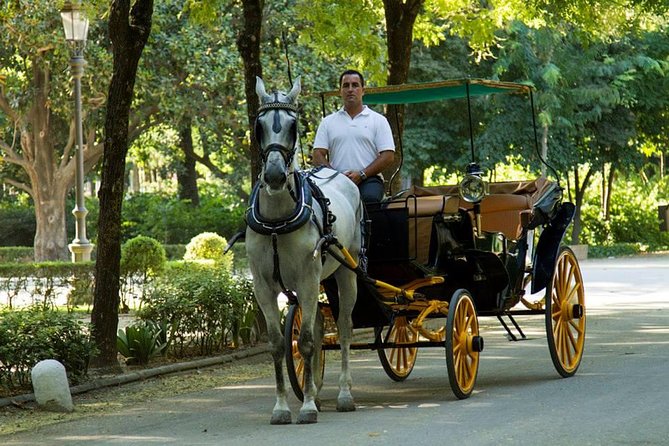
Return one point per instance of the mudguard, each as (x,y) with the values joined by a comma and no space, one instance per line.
(549,245)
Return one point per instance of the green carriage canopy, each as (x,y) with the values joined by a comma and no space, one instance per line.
(435,91)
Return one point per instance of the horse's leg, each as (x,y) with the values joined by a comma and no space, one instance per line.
(346,282)
(268,304)
(307,295)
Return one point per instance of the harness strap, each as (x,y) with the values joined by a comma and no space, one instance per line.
(276,274)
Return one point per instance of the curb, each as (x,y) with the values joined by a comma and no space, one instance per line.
(147,373)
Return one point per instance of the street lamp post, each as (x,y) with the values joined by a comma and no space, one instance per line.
(75,24)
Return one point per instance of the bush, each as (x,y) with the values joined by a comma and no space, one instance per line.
(142,258)
(32,335)
(209,246)
(202,304)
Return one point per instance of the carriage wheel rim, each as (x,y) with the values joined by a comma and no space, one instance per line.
(568,332)
(298,362)
(402,359)
(465,327)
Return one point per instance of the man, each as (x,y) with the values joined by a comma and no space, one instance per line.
(356,140)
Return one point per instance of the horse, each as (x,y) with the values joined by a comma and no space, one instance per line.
(286,232)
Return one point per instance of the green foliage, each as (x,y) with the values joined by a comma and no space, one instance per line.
(634,217)
(614,250)
(17,225)
(201,302)
(142,259)
(209,246)
(140,342)
(143,256)
(172,221)
(32,335)
(174,252)
(14,254)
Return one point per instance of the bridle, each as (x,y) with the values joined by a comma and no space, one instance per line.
(287,153)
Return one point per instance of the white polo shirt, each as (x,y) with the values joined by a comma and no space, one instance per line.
(354,143)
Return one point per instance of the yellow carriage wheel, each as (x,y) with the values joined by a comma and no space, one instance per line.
(565,314)
(398,362)
(463,344)
(294,360)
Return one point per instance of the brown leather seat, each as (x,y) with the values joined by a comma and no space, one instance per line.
(505,209)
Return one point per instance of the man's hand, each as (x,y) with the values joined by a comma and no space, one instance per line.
(354,176)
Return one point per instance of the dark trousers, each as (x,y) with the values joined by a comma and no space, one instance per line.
(371,190)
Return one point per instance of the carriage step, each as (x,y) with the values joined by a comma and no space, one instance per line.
(511,336)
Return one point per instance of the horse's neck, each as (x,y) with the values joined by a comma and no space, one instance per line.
(278,205)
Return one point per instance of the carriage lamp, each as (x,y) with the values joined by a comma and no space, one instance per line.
(472,186)
(75,25)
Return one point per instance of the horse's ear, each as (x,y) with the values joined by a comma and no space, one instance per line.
(260,89)
(295,91)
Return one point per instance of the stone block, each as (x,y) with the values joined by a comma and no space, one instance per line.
(52,391)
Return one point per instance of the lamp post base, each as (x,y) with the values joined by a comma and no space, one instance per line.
(81,252)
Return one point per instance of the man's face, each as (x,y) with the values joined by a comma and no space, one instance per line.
(351,90)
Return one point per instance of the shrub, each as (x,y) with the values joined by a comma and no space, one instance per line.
(206,246)
(141,259)
(32,335)
(140,342)
(202,304)
(143,256)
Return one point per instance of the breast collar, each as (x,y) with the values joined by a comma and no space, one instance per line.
(302,213)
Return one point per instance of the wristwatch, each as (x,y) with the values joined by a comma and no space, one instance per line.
(363,175)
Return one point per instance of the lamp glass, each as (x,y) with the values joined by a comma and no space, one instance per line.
(75,24)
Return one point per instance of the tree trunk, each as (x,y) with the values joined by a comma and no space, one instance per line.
(129,30)
(248,44)
(186,173)
(544,148)
(609,191)
(579,193)
(400,18)
(50,233)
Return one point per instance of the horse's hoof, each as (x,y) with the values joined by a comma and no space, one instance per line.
(281,417)
(317,401)
(345,404)
(307,417)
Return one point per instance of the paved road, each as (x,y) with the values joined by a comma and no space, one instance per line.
(620,395)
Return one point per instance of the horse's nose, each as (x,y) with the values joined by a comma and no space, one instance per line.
(275,171)
(275,178)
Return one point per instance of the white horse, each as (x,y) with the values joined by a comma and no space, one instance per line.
(283,239)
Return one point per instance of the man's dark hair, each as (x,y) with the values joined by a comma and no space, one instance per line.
(362,79)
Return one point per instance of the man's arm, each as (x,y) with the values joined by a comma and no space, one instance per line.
(384,160)
(319,157)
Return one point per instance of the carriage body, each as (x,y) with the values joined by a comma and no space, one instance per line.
(434,255)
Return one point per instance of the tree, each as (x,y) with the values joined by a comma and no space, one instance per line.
(129,30)
(38,137)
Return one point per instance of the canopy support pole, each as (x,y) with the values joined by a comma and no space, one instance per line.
(471,128)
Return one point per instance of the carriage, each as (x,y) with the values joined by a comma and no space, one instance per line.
(457,252)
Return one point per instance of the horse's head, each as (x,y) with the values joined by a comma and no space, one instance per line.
(276,132)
